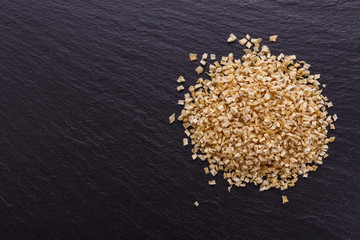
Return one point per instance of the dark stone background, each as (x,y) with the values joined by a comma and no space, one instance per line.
(86,88)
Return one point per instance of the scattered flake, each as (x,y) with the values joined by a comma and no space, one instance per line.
(181,102)
(185,142)
(331,139)
(332,126)
(205,56)
(179,88)
(243,41)
(212,56)
(229,188)
(212,182)
(202,62)
(196,204)
(285,199)
(248,37)
(273,38)
(335,117)
(187,132)
(172,118)
(199,70)
(181,79)
(206,170)
(193,56)
(213,172)
(232,38)
(248,45)
(194,156)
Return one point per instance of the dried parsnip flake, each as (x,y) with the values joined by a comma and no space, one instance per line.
(232,38)
(172,118)
(199,70)
(179,88)
(192,56)
(212,182)
(181,102)
(196,204)
(206,170)
(204,56)
(285,199)
(273,38)
(202,62)
(181,79)
(243,41)
(212,56)
(185,142)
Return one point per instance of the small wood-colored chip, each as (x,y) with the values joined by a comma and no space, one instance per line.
(331,139)
(335,117)
(213,172)
(332,126)
(196,204)
(181,102)
(202,62)
(194,156)
(212,56)
(179,88)
(187,133)
(285,199)
(199,70)
(243,41)
(172,118)
(181,79)
(248,37)
(185,142)
(248,44)
(204,56)
(273,38)
(193,56)
(206,170)
(232,38)
(212,182)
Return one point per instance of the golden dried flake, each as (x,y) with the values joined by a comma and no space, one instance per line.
(248,45)
(204,56)
(335,117)
(212,182)
(196,204)
(285,199)
(172,118)
(260,119)
(199,70)
(185,142)
(202,62)
(248,37)
(193,56)
(181,102)
(194,156)
(232,38)
(179,88)
(181,79)
(243,41)
(273,38)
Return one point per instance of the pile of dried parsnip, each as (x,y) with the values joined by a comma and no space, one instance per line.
(260,119)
